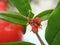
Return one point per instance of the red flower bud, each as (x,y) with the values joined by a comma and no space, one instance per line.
(37,20)
(34,28)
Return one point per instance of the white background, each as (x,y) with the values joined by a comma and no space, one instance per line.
(37,8)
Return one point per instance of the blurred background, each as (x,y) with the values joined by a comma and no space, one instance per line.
(38,6)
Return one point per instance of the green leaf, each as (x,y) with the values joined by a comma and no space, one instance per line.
(18,43)
(14,18)
(45,14)
(24,28)
(23,6)
(53,28)
(31,15)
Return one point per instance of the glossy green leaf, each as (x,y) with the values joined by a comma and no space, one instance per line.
(45,14)
(23,6)
(53,28)
(18,43)
(14,18)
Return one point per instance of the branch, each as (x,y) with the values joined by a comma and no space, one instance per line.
(40,40)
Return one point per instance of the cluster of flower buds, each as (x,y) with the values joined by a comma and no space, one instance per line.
(35,24)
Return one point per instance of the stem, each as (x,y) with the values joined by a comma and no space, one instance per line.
(39,38)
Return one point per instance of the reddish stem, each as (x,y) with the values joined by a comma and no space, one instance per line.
(39,38)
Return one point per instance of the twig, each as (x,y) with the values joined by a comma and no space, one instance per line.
(40,40)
